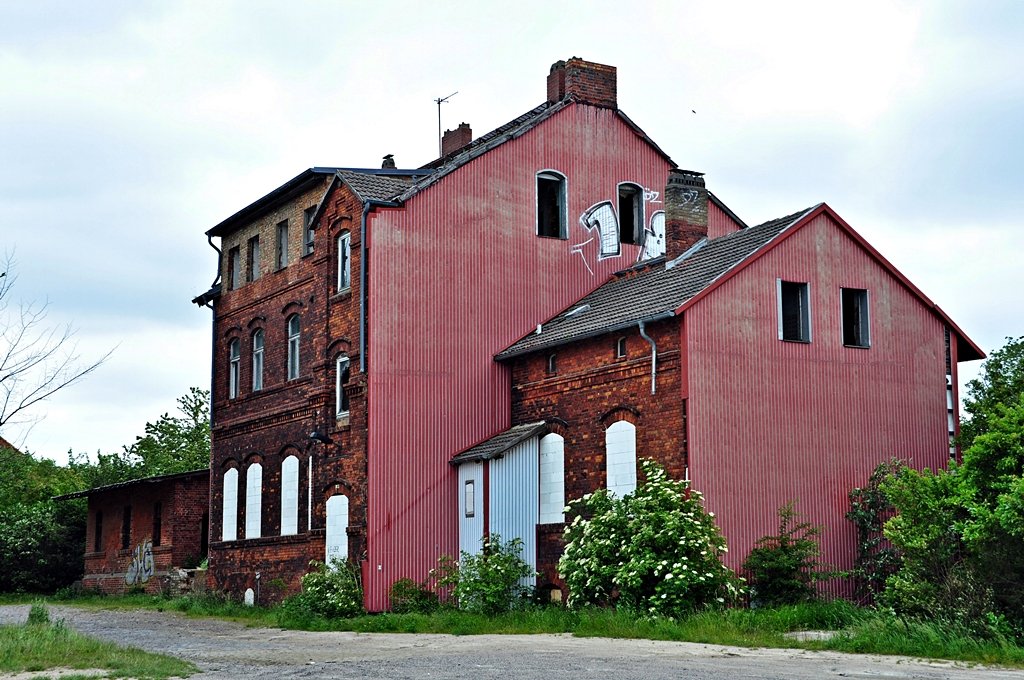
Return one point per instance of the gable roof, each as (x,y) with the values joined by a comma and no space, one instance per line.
(498,445)
(649,292)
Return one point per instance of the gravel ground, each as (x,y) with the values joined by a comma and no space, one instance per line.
(230,650)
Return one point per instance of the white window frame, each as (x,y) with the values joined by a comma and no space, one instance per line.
(562,201)
(341,365)
(805,310)
(620,348)
(254,501)
(257,359)
(234,367)
(344,261)
(469,498)
(294,339)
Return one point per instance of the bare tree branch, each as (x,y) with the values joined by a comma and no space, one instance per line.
(36,360)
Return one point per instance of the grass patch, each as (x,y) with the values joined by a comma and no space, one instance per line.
(41,644)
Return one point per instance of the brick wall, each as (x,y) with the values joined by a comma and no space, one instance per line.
(591,389)
(271,424)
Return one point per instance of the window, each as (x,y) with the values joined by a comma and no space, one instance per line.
(342,371)
(337,528)
(252,271)
(552,479)
(344,261)
(794,311)
(97,532)
(234,365)
(290,496)
(157,522)
(551,212)
(856,331)
(257,360)
(282,244)
(253,500)
(470,498)
(631,214)
(620,348)
(620,452)
(552,364)
(234,268)
(293,347)
(229,523)
(307,230)
(126,527)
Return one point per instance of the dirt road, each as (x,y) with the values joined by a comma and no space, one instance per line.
(230,650)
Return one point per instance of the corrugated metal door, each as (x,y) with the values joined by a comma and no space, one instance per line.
(471,507)
(515,498)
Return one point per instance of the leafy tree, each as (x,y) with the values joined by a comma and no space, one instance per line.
(783,567)
(654,551)
(177,443)
(870,507)
(1001,381)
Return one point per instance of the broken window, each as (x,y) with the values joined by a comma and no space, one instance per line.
(631,214)
(234,268)
(282,244)
(342,365)
(856,331)
(794,311)
(293,346)
(234,367)
(551,213)
(307,230)
(252,271)
(344,261)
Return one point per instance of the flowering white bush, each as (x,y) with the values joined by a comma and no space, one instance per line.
(654,551)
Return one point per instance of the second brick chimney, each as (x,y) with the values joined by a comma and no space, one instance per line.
(453,140)
(583,81)
(686,211)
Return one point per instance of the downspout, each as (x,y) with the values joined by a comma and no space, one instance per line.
(213,339)
(654,354)
(368,205)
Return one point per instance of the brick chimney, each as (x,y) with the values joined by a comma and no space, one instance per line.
(583,81)
(686,211)
(453,140)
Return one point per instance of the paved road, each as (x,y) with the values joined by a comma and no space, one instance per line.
(229,650)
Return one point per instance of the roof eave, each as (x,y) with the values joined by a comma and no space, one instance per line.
(278,196)
(604,330)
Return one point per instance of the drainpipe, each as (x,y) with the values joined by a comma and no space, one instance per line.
(654,354)
(213,339)
(368,205)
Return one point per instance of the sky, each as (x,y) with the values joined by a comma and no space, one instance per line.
(127,129)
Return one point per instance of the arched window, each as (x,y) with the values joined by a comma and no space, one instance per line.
(254,501)
(552,218)
(234,367)
(337,528)
(342,371)
(552,479)
(344,261)
(293,346)
(257,360)
(290,496)
(229,520)
(631,214)
(620,449)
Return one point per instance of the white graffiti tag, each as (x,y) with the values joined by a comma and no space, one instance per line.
(654,238)
(601,216)
(140,569)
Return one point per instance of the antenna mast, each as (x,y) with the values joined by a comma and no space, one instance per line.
(439,101)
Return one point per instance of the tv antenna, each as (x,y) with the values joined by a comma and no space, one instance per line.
(439,101)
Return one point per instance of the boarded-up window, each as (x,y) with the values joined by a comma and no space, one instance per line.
(254,501)
(620,449)
(229,519)
(290,496)
(337,528)
(552,479)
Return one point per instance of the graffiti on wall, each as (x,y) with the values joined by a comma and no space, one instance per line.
(140,568)
(601,224)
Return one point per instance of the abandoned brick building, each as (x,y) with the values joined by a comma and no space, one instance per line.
(407,359)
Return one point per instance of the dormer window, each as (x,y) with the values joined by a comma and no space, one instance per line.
(551,210)
(631,214)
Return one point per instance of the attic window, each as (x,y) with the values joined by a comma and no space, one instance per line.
(794,311)
(551,212)
(577,311)
(620,348)
(855,317)
(307,230)
(631,214)
(552,364)
(235,267)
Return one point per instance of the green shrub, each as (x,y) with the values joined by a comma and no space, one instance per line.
(877,560)
(334,591)
(490,581)
(410,597)
(38,615)
(783,567)
(654,551)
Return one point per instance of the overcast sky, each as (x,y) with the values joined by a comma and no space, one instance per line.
(127,129)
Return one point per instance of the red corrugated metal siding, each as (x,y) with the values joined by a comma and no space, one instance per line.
(774,421)
(719,223)
(455,277)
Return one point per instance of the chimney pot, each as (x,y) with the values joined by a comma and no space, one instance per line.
(453,140)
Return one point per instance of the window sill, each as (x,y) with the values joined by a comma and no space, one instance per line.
(796,342)
(342,420)
(553,238)
(856,346)
(342,294)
